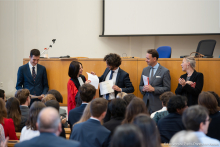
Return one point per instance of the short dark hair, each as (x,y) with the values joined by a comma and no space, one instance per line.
(73,69)
(117,108)
(87,92)
(3,111)
(22,95)
(34,52)
(216,96)
(176,102)
(153,52)
(98,106)
(193,116)
(2,92)
(128,98)
(113,60)
(165,97)
(53,103)
(56,94)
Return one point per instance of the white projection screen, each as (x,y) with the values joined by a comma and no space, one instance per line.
(160,17)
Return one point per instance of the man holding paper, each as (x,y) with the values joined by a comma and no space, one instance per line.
(155,80)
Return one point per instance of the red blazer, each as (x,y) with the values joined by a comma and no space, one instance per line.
(9,129)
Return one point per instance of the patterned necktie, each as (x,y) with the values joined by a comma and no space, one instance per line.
(152,73)
(111,75)
(33,73)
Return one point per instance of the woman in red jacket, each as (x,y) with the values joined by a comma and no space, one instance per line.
(75,81)
(7,123)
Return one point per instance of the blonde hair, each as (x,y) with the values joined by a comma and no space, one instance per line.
(121,95)
(48,97)
(191,60)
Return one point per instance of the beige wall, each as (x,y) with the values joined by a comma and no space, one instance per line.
(76,24)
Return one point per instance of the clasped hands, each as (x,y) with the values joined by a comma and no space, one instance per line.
(183,82)
(148,88)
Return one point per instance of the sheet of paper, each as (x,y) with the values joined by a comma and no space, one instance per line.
(94,80)
(106,87)
(146,80)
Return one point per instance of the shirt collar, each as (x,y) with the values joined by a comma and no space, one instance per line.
(156,66)
(94,118)
(30,65)
(84,103)
(115,71)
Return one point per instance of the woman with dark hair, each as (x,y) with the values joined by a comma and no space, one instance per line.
(149,130)
(7,123)
(14,112)
(216,96)
(76,80)
(30,130)
(135,107)
(209,101)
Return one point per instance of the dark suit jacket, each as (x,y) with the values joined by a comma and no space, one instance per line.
(169,125)
(190,92)
(214,127)
(75,114)
(112,124)
(48,140)
(91,134)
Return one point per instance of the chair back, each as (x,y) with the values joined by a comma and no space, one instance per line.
(206,47)
(164,51)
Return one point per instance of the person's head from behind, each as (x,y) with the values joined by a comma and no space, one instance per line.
(48,97)
(216,96)
(49,121)
(56,94)
(182,138)
(209,101)
(121,95)
(2,94)
(3,110)
(117,108)
(75,69)
(152,57)
(189,62)
(127,135)
(135,107)
(165,97)
(98,108)
(35,109)
(128,98)
(87,92)
(113,61)
(149,129)
(23,95)
(34,56)
(54,104)
(177,104)
(196,118)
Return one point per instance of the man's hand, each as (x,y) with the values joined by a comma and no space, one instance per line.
(148,88)
(116,88)
(42,96)
(88,81)
(93,73)
(63,120)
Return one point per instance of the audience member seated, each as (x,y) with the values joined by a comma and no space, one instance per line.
(165,97)
(7,123)
(47,98)
(135,107)
(24,98)
(48,123)
(87,93)
(2,134)
(30,130)
(149,130)
(128,98)
(121,95)
(56,105)
(2,94)
(91,133)
(14,112)
(172,123)
(209,101)
(216,96)
(117,108)
(196,118)
(127,135)
(185,139)
(86,115)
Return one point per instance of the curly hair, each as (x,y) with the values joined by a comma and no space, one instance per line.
(165,97)
(113,60)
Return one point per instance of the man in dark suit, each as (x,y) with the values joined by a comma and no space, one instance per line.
(172,123)
(91,133)
(87,93)
(33,76)
(48,123)
(159,81)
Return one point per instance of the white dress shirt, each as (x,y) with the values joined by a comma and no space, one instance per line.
(30,66)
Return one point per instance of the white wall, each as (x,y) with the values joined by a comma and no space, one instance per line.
(76,24)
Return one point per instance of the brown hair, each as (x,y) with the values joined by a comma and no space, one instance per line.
(98,106)
(22,95)
(153,52)
(14,112)
(87,92)
(113,60)
(35,109)
(135,107)
(209,101)
(165,97)
(3,111)
(48,97)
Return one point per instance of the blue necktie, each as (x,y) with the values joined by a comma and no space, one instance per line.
(111,75)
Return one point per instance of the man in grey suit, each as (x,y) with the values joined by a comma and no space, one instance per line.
(159,81)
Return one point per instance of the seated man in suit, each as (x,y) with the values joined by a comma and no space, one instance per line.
(87,93)
(91,133)
(172,123)
(159,81)
(48,123)
(33,76)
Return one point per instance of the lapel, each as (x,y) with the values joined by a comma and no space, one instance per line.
(38,71)
(157,73)
(193,76)
(118,75)
(29,73)
(106,73)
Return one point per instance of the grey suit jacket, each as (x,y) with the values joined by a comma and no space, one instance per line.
(161,84)
(24,111)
